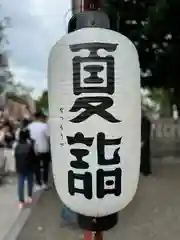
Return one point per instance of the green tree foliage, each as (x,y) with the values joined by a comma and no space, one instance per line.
(164,98)
(3,59)
(42,102)
(133,19)
(163,29)
(153,26)
(5,74)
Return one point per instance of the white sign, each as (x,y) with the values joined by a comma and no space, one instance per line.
(95,114)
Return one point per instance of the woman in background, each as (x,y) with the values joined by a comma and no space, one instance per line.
(8,142)
(25,162)
(23,126)
(9,136)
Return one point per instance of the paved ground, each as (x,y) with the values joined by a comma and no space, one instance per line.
(11,218)
(153,214)
(8,209)
(9,212)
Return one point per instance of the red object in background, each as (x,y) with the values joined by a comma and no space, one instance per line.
(99,236)
(89,236)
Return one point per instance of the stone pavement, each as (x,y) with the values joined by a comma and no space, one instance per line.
(8,209)
(12,219)
(153,214)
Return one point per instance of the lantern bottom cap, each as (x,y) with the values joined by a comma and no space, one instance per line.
(95,224)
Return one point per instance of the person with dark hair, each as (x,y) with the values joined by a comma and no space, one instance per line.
(9,136)
(7,139)
(25,123)
(23,126)
(25,162)
(39,132)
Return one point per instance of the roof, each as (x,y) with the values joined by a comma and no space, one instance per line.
(16,98)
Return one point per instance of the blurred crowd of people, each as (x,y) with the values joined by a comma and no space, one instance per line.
(26,146)
(7,132)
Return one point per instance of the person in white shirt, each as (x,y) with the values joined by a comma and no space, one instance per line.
(39,133)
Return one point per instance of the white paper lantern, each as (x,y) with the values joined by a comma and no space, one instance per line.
(95,114)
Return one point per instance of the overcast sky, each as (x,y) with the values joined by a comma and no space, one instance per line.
(36,25)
